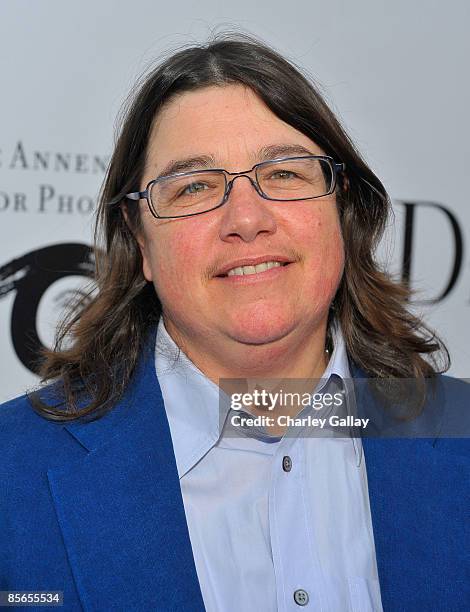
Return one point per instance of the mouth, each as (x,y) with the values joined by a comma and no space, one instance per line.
(248,270)
(265,267)
(253,274)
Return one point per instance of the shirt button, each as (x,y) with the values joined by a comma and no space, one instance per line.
(301,597)
(286,463)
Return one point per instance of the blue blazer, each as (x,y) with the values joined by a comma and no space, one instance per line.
(95,509)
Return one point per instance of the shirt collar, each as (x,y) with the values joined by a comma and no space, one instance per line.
(338,364)
(193,402)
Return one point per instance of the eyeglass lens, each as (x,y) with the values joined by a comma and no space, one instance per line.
(202,191)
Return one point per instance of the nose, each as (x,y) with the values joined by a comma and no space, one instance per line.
(246,214)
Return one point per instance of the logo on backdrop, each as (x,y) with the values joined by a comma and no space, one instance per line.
(456,245)
(46,279)
(44,282)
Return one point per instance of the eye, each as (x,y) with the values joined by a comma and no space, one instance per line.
(193,188)
(283,174)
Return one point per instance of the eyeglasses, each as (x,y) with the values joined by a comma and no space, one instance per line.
(186,194)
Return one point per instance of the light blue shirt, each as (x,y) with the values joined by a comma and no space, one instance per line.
(265,539)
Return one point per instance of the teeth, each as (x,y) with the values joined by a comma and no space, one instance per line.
(267,265)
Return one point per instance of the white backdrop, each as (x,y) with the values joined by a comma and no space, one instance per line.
(396,73)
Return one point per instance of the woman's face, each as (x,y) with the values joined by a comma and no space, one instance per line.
(184,257)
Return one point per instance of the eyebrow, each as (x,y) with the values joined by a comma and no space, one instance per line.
(202,162)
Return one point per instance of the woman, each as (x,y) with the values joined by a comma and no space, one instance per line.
(117,487)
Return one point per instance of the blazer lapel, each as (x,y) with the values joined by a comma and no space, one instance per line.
(417,490)
(120,508)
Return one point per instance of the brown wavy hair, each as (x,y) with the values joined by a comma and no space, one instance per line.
(98,346)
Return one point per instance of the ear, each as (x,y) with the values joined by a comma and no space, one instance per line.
(141,241)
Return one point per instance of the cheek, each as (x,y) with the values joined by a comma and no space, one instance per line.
(325,263)
(176,269)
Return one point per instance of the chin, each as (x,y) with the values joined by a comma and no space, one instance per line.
(261,328)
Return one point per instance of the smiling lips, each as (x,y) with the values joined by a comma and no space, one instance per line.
(254,269)
(253,266)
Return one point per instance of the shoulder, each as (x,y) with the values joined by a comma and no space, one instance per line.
(21,410)
(18,417)
(455,388)
(27,439)
(444,419)
(452,399)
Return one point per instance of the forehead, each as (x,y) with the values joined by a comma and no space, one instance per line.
(230,123)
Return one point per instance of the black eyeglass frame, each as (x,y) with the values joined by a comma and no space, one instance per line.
(145,195)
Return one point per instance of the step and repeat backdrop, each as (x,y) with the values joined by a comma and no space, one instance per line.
(396,74)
